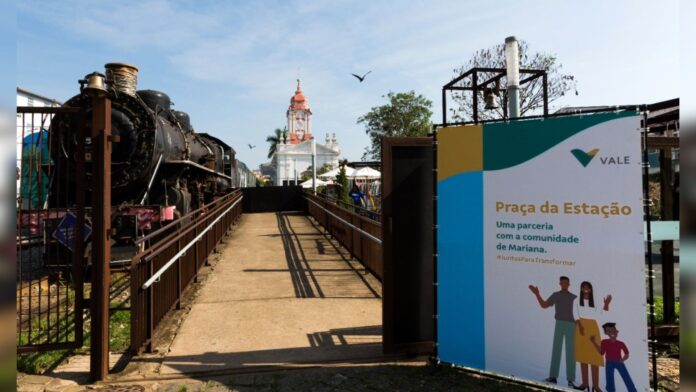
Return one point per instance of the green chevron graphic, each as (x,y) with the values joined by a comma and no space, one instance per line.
(584,157)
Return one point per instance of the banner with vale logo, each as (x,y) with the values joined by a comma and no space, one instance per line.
(540,250)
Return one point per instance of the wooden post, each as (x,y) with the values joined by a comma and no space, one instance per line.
(101,234)
(667,248)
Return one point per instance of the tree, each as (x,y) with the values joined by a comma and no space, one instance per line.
(275,139)
(406,114)
(307,174)
(531,93)
(342,190)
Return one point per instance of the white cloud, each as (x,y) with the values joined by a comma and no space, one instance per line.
(251,51)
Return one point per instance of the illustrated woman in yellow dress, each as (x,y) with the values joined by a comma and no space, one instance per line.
(585,352)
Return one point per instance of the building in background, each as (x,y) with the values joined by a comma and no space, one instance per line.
(294,155)
(32,147)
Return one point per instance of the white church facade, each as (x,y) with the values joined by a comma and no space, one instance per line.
(294,153)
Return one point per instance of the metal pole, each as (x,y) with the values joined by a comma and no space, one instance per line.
(512,60)
(545,82)
(648,241)
(314,166)
(444,106)
(474,85)
(101,224)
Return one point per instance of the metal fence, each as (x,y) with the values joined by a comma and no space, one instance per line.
(50,232)
(359,234)
(169,261)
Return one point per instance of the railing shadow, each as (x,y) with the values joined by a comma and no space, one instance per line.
(305,279)
(346,345)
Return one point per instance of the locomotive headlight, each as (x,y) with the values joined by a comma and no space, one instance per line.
(93,84)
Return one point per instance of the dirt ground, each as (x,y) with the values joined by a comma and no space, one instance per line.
(404,375)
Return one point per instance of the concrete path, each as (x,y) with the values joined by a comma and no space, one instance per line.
(282,293)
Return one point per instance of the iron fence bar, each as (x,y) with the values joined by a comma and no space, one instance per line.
(78,266)
(169,263)
(368,235)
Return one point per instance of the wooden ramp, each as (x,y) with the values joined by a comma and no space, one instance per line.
(282,294)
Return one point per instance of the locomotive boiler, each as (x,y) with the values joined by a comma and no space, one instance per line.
(158,162)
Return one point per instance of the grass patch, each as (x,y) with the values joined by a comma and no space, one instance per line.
(40,362)
(119,331)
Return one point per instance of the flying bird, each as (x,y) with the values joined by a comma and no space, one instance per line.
(361,78)
(250,146)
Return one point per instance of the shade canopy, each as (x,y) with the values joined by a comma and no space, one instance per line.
(367,172)
(319,182)
(334,172)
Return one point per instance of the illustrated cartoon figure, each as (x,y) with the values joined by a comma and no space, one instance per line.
(564,331)
(587,327)
(612,349)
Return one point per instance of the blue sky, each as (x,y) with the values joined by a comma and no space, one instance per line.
(232,65)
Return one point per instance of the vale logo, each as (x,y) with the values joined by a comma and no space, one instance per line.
(584,157)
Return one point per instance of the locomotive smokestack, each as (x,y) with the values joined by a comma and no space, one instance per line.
(123,78)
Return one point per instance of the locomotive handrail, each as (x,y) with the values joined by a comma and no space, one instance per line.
(359,230)
(198,166)
(174,237)
(176,221)
(171,261)
(152,179)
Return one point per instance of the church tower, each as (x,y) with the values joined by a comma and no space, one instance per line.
(299,118)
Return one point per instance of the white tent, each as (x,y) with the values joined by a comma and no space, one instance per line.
(367,173)
(331,174)
(319,182)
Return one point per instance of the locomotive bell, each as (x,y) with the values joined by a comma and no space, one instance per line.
(93,84)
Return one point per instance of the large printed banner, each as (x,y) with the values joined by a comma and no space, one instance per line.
(541,253)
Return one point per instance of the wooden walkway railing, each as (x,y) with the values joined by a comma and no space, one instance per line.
(164,269)
(359,234)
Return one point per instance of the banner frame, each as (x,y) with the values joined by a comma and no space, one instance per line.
(641,110)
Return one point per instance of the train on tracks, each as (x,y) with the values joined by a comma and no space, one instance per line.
(161,168)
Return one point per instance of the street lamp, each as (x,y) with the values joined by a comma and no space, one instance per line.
(512,61)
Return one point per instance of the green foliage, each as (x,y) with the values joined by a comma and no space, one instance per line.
(531,94)
(307,174)
(279,135)
(406,114)
(119,331)
(342,190)
(660,310)
(39,362)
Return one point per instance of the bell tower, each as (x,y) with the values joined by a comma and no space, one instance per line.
(299,118)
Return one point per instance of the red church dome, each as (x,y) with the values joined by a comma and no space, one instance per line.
(298,101)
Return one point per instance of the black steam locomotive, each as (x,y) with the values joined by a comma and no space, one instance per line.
(160,167)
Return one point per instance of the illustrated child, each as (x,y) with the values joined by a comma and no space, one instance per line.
(612,349)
